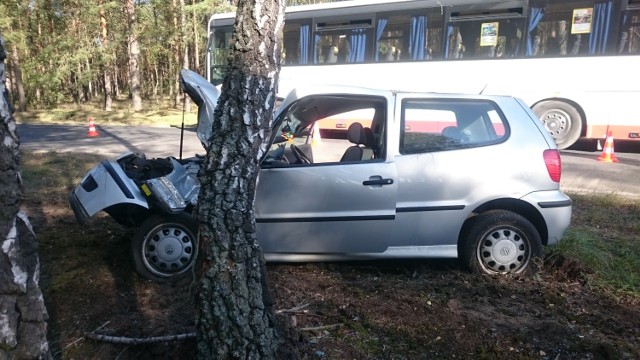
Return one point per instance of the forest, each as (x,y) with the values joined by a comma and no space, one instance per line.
(62,51)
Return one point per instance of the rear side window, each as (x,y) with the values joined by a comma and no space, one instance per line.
(430,125)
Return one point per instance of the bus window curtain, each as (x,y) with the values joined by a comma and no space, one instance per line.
(600,28)
(315,48)
(536,16)
(357,45)
(304,44)
(382,23)
(417,37)
(448,42)
(624,35)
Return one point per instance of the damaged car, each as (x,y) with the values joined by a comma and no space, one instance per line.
(418,175)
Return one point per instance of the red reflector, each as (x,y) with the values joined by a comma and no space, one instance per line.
(553,163)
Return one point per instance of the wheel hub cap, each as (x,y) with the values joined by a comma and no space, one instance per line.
(502,250)
(555,123)
(169,250)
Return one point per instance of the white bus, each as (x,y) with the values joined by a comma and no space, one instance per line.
(576,63)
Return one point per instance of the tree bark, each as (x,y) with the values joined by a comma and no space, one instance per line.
(196,40)
(235,316)
(185,53)
(176,55)
(106,76)
(23,327)
(15,61)
(134,54)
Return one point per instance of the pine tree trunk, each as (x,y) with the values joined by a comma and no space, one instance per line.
(235,317)
(106,77)
(176,54)
(185,54)
(23,327)
(15,60)
(196,40)
(134,54)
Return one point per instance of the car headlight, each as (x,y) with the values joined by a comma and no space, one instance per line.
(167,194)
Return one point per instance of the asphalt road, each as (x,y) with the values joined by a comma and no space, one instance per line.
(581,170)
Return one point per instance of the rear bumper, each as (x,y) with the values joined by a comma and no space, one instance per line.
(555,207)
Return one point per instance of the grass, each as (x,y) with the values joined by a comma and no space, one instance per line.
(603,237)
(154,112)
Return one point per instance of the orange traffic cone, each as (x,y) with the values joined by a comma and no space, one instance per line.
(92,129)
(315,136)
(608,154)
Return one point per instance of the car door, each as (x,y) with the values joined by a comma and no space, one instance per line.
(446,161)
(327,208)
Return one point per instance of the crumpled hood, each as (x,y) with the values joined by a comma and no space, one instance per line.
(205,95)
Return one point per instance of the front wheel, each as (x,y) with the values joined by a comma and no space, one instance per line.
(499,242)
(165,247)
(561,120)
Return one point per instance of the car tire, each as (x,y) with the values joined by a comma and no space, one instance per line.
(499,242)
(165,247)
(561,120)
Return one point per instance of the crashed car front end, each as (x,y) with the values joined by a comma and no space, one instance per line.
(130,187)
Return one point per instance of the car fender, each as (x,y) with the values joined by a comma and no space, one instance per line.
(104,186)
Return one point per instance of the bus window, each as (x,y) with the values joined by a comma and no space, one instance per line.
(219,53)
(579,27)
(395,34)
(342,42)
(296,44)
(629,42)
(485,38)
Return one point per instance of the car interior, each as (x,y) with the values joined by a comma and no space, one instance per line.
(296,138)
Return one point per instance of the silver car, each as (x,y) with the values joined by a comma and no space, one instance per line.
(415,175)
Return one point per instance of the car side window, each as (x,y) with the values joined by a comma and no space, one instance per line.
(430,125)
(330,129)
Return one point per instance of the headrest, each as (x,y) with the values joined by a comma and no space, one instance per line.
(355,134)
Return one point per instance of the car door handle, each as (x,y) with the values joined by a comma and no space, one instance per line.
(377,180)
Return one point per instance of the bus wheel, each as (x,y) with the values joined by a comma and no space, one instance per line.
(561,120)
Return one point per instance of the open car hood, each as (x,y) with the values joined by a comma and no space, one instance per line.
(205,95)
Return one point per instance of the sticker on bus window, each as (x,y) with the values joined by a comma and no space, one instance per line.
(489,33)
(581,22)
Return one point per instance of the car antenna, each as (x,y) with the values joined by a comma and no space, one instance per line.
(184,107)
(484,88)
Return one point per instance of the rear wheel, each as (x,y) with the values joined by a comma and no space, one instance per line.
(498,242)
(165,247)
(561,120)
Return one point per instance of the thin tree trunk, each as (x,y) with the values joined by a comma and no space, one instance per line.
(104,33)
(185,53)
(17,80)
(116,84)
(23,326)
(176,55)
(196,40)
(235,316)
(134,54)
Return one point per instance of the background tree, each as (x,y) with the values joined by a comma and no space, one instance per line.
(133,50)
(104,47)
(235,317)
(58,53)
(23,327)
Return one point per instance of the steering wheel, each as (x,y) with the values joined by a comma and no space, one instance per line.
(300,155)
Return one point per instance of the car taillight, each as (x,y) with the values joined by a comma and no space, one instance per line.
(553,163)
